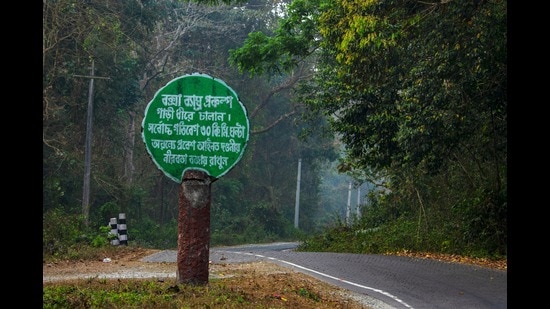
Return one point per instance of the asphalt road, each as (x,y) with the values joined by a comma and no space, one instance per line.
(382,281)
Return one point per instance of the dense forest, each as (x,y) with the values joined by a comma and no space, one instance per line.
(403,102)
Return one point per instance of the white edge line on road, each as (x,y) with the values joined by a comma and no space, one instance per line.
(328,276)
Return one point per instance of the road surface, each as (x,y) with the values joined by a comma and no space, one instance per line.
(383,281)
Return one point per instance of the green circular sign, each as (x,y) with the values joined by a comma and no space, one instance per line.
(195,122)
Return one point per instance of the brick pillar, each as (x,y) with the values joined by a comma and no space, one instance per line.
(194,228)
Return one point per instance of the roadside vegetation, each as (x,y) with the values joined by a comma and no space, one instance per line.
(408,98)
(237,292)
(231,285)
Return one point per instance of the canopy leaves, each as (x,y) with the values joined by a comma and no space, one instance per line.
(416,91)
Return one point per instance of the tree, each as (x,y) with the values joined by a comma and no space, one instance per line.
(142,45)
(415,90)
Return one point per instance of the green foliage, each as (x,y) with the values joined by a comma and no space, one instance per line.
(150,234)
(417,92)
(262,224)
(109,210)
(244,292)
(66,236)
(103,238)
(305,293)
(139,293)
(61,232)
(130,46)
(441,231)
(257,46)
(216,2)
(292,42)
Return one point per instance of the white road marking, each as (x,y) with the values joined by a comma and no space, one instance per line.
(328,276)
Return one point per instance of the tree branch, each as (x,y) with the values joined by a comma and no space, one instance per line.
(281,118)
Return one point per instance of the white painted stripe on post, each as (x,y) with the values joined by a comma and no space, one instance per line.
(114,231)
(122,229)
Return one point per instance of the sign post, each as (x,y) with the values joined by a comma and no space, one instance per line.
(195,129)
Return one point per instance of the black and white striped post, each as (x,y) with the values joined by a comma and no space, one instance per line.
(114,231)
(122,230)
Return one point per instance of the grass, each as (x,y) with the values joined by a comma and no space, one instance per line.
(238,292)
(144,294)
(246,285)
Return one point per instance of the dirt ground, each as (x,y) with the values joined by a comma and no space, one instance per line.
(261,279)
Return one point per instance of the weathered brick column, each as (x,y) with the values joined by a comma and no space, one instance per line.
(194,228)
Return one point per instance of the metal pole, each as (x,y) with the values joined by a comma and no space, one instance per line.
(297,205)
(358,209)
(348,208)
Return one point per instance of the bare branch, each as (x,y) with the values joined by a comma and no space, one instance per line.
(281,118)
(289,83)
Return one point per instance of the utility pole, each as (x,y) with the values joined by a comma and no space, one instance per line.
(348,208)
(358,209)
(297,205)
(88,144)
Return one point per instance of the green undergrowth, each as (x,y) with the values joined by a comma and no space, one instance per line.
(153,293)
(101,293)
(398,236)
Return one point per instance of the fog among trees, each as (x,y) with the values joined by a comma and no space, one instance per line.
(406,99)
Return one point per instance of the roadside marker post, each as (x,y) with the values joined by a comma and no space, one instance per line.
(195,129)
